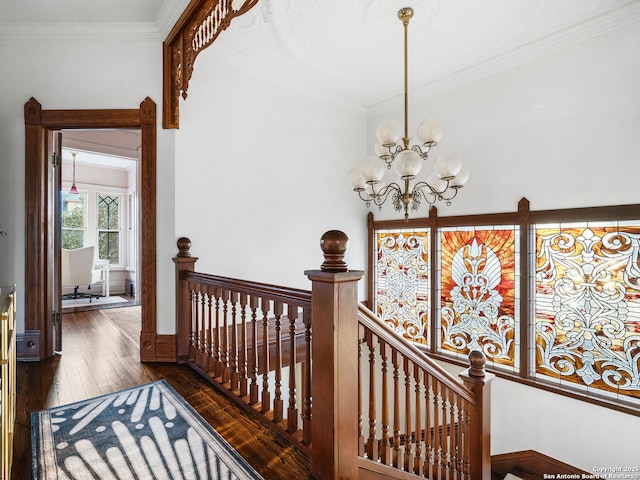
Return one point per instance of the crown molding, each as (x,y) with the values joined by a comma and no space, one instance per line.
(168,16)
(290,82)
(627,14)
(75,31)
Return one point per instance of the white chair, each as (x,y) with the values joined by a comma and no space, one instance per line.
(79,269)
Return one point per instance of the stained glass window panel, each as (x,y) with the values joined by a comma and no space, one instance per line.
(479,292)
(587,306)
(401,282)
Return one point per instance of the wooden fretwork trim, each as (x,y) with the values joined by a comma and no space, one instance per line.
(196,29)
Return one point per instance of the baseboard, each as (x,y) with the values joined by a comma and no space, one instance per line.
(531,462)
(28,346)
(157,348)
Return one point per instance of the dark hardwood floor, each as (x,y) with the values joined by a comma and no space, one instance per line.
(97,359)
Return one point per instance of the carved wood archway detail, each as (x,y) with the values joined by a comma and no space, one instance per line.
(196,29)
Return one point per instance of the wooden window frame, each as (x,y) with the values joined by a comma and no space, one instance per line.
(525,219)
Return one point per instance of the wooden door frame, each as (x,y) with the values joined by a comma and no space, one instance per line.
(38,336)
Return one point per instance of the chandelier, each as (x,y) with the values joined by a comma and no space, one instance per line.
(407,156)
(73,190)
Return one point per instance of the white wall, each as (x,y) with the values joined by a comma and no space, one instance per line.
(261,175)
(562,131)
(79,74)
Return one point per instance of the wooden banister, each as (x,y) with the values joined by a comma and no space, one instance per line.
(380,406)
(439,426)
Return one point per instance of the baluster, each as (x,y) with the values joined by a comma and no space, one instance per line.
(428,426)
(437,452)
(385,446)
(418,464)
(445,430)
(372,441)
(292,411)
(361,339)
(278,404)
(466,439)
(453,436)
(197,357)
(409,438)
(210,333)
(192,336)
(266,396)
(306,379)
(243,345)
(224,348)
(233,347)
(396,408)
(217,359)
(202,362)
(253,389)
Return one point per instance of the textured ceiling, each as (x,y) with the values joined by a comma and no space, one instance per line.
(354,49)
(349,51)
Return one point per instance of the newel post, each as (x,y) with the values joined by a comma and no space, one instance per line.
(479,382)
(334,374)
(184,263)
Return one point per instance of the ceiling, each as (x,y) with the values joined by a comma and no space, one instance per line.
(111,148)
(347,51)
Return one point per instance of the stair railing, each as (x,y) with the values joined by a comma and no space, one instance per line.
(414,416)
(254,341)
(251,339)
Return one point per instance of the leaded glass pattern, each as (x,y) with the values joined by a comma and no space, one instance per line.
(587,305)
(479,292)
(109,228)
(401,282)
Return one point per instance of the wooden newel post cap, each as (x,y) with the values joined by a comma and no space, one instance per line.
(334,244)
(476,364)
(184,244)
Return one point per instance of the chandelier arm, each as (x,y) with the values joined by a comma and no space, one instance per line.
(424,154)
(438,193)
(393,150)
(362,193)
(384,192)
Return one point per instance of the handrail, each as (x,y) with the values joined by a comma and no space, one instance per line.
(283,294)
(369,320)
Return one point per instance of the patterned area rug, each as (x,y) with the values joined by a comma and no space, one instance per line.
(145,432)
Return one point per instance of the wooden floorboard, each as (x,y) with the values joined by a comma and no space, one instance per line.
(97,358)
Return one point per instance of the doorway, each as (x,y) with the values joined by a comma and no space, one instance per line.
(42,260)
(99,193)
